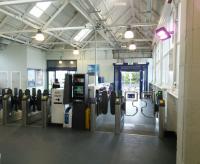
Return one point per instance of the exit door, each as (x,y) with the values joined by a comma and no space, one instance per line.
(141,68)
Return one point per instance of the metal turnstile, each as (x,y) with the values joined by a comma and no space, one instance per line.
(161,116)
(119,115)
(44,114)
(93,115)
(9,115)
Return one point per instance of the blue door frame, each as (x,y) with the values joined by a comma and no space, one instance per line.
(142,68)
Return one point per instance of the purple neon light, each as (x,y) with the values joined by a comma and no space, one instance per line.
(162,33)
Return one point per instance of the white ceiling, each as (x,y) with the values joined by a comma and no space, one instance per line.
(110,18)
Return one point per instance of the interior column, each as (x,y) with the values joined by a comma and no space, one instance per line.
(188,125)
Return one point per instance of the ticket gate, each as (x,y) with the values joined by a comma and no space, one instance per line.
(31,116)
(12,109)
(117,109)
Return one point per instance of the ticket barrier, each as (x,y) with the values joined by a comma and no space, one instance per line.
(30,117)
(160,112)
(146,96)
(12,109)
(119,114)
(161,117)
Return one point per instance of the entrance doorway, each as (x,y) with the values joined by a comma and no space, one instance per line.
(130,81)
(60,75)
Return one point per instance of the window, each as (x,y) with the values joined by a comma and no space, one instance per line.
(39,8)
(83,33)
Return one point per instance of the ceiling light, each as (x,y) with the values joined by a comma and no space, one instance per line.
(132,47)
(162,33)
(129,34)
(60,61)
(76,51)
(39,36)
(71,62)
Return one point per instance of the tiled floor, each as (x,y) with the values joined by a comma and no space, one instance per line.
(64,146)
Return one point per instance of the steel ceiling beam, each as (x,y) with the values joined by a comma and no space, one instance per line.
(17,2)
(66,28)
(99,18)
(30,24)
(99,41)
(67,24)
(22,42)
(101,49)
(88,17)
(56,14)
(19,18)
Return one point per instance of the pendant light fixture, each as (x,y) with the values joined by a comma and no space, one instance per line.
(132,47)
(39,36)
(60,61)
(76,51)
(129,33)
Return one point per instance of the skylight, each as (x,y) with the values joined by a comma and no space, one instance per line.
(39,8)
(82,34)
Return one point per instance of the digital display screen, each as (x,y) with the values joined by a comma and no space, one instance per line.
(131,96)
(78,90)
(79,80)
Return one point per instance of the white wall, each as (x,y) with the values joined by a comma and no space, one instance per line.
(36,59)
(18,58)
(13,58)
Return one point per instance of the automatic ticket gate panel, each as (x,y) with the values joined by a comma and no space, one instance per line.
(57,107)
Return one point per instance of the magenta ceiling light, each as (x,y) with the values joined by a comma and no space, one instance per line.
(162,33)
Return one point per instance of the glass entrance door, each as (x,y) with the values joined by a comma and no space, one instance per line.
(60,75)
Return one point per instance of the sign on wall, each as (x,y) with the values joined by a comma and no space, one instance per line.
(93,69)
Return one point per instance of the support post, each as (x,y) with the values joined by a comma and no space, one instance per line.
(5,109)
(161,119)
(44,111)
(118,116)
(25,106)
(93,116)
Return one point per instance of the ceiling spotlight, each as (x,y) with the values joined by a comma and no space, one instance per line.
(132,47)
(76,51)
(39,36)
(129,34)
(60,61)
(162,33)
